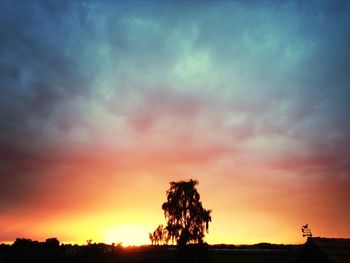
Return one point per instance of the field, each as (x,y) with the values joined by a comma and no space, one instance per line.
(110,254)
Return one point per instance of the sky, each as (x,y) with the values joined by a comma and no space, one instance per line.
(103,103)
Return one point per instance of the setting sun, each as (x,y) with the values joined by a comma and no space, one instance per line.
(126,234)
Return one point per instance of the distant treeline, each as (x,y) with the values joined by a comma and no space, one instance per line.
(26,250)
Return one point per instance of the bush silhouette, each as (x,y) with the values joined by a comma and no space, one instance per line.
(52,242)
(159,236)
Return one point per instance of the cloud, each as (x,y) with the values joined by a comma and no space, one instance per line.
(97,91)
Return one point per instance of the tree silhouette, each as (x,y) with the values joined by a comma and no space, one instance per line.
(52,242)
(159,236)
(306,231)
(23,243)
(187,220)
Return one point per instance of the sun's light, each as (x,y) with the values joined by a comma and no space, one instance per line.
(127,234)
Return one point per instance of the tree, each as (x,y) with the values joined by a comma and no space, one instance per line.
(23,243)
(52,242)
(151,237)
(306,231)
(187,220)
(159,236)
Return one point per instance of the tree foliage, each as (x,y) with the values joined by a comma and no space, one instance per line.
(52,242)
(187,220)
(23,242)
(306,231)
(159,236)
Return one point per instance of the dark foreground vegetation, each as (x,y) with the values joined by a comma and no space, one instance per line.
(25,250)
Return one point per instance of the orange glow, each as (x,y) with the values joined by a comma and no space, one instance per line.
(127,234)
(244,212)
(251,205)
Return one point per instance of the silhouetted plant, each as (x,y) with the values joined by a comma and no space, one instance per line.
(306,231)
(22,243)
(187,220)
(52,242)
(159,236)
(151,237)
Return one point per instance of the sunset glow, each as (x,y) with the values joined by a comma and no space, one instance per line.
(128,235)
(103,103)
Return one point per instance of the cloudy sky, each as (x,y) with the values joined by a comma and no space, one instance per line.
(102,103)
